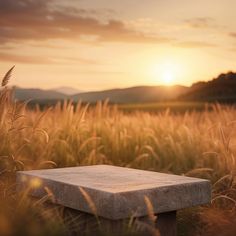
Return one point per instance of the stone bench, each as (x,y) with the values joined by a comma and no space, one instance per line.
(119,193)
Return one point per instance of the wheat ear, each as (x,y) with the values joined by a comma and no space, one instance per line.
(7,77)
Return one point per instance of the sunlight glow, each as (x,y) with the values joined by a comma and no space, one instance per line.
(169,71)
(166,73)
(167,77)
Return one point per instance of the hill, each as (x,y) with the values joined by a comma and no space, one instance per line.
(141,94)
(220,89)
(67,90)
(23,94)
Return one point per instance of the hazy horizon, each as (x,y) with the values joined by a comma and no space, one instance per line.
(111,88)
(100,44)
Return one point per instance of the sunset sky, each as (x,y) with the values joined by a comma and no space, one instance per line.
(100,44)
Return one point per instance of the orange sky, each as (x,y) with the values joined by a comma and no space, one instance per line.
(100,44)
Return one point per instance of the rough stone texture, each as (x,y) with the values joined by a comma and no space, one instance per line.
(117,192)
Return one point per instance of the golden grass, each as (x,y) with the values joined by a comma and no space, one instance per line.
(201,144)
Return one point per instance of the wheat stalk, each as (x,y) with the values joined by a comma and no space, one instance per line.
(7,77)
(150,209)
(89,201)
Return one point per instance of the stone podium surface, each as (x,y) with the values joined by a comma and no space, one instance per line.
(119,193)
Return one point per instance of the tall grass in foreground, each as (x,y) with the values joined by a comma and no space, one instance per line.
(201,144)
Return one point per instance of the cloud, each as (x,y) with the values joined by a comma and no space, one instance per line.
(80,60)
(7,57)
(194,44)
(43,19)
(200,22)
(232,34)
(23,59)
(101,72)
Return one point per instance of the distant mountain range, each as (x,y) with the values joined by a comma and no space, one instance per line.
(67,90)
(221,89)
(141,94)
(37,94)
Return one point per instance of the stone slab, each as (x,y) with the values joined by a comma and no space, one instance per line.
(116,192)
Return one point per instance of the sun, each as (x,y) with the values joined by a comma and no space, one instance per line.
(168,77)
(166,73)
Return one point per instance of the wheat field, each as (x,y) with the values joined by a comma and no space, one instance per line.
(199,144)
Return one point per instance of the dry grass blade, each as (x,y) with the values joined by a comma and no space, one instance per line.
(48,164)
(198,171)
(222,179)
(37,122)
(91,204)
(50,194)
(44,133)
(42,200)
(7,77)
(89,201)
(84,144)
(223,197)
(150,209)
